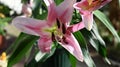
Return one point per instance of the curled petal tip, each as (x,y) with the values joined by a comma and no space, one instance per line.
(81,58)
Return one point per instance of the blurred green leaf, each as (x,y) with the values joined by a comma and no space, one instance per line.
(101,16)
(39,11)
(87,58)
(58,59)
(3,23)
(58,1)
(4,9)
(23,43)
(96,41)
(41,57)
(73,60)
(5,20)
(92,37)
(61,58)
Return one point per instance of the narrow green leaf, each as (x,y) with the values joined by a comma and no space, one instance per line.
(106,22)
(95,40)
(23,43)
(100,42)
(87,58)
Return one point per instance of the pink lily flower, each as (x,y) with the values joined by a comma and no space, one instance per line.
(86,8)
(55,28)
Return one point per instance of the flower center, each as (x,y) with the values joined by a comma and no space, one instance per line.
(92,4)
(54,31)
(95,3)
(51,29)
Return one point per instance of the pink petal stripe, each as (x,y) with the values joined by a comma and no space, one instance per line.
(51,11)
(65,10)
(29,25)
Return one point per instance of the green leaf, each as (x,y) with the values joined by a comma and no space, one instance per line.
(96,40)
(73,60)
(4,20)
(23,44)
(3,23)
(106,22)
(41,57)
(87,58)
(58,59)
(99,45)
(61,58)
(58,1)
(40,10)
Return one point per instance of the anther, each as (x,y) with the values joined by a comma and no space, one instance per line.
(53,37)
(63,29)
(58,23)
(64,40)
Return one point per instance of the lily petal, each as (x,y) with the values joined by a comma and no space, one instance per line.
(44,44)
(87,18)
(90,5)
(51,11)
(103,2)
(90,1)
(76,27)
(29,25)
(65,14)
(71,44)
(86,7)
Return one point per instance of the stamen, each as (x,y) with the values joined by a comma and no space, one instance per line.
(58,23)
(94,3)
(58,38)
(63,29)
(53,37)
(64,40)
